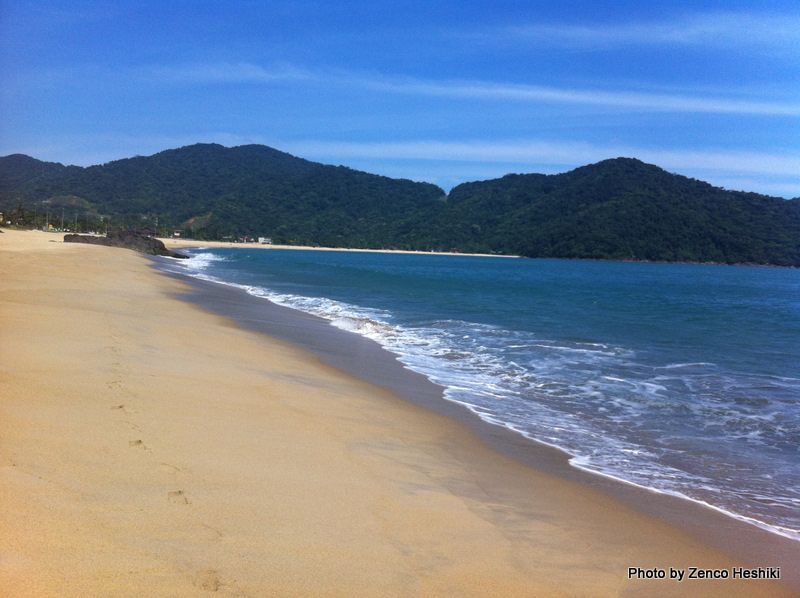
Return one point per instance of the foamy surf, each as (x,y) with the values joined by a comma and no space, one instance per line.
(693,428)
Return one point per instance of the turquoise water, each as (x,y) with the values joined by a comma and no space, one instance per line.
(684,379)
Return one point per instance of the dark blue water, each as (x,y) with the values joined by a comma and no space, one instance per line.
(683,379)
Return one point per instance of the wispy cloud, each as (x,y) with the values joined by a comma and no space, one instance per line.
(243,72)
(722,29)
(630,100)
(223,73)
(546,156)
(448,163)
(547,152)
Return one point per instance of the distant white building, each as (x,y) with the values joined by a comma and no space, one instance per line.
(265,240)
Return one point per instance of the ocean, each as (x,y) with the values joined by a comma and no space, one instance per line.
(682,379)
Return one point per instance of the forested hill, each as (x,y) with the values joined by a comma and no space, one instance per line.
(624,209)
(615,209)
(212,192)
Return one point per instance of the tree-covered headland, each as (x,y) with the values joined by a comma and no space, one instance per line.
(619,209)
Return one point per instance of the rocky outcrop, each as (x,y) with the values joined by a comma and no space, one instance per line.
(128,239)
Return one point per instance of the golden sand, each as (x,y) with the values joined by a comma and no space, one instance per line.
(176,243)
(149,448)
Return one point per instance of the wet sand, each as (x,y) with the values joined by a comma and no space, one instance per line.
(151,447)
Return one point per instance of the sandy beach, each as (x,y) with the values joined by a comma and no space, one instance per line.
(151,448)
(177,243)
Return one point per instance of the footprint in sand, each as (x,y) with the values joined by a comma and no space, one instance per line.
(137,444)
(123,409)
(178,497)
(207,579)
(210,534)
(169,468)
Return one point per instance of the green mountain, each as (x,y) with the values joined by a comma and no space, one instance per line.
(215,192)
(621,209)
(624,209)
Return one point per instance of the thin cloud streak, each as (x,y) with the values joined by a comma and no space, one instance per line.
(619,99)
(546,153)
(222,73)
(450,163)
(720,30)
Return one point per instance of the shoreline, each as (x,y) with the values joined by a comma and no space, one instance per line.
(176,243)
(173,243)
(158,448)
(367,360)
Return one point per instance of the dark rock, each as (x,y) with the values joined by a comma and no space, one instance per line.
(91,240)
(128,239)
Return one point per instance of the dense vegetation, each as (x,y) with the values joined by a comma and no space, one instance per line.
(213,192)
(624,209)
(615,209)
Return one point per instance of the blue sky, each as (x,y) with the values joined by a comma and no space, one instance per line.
(443,92)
